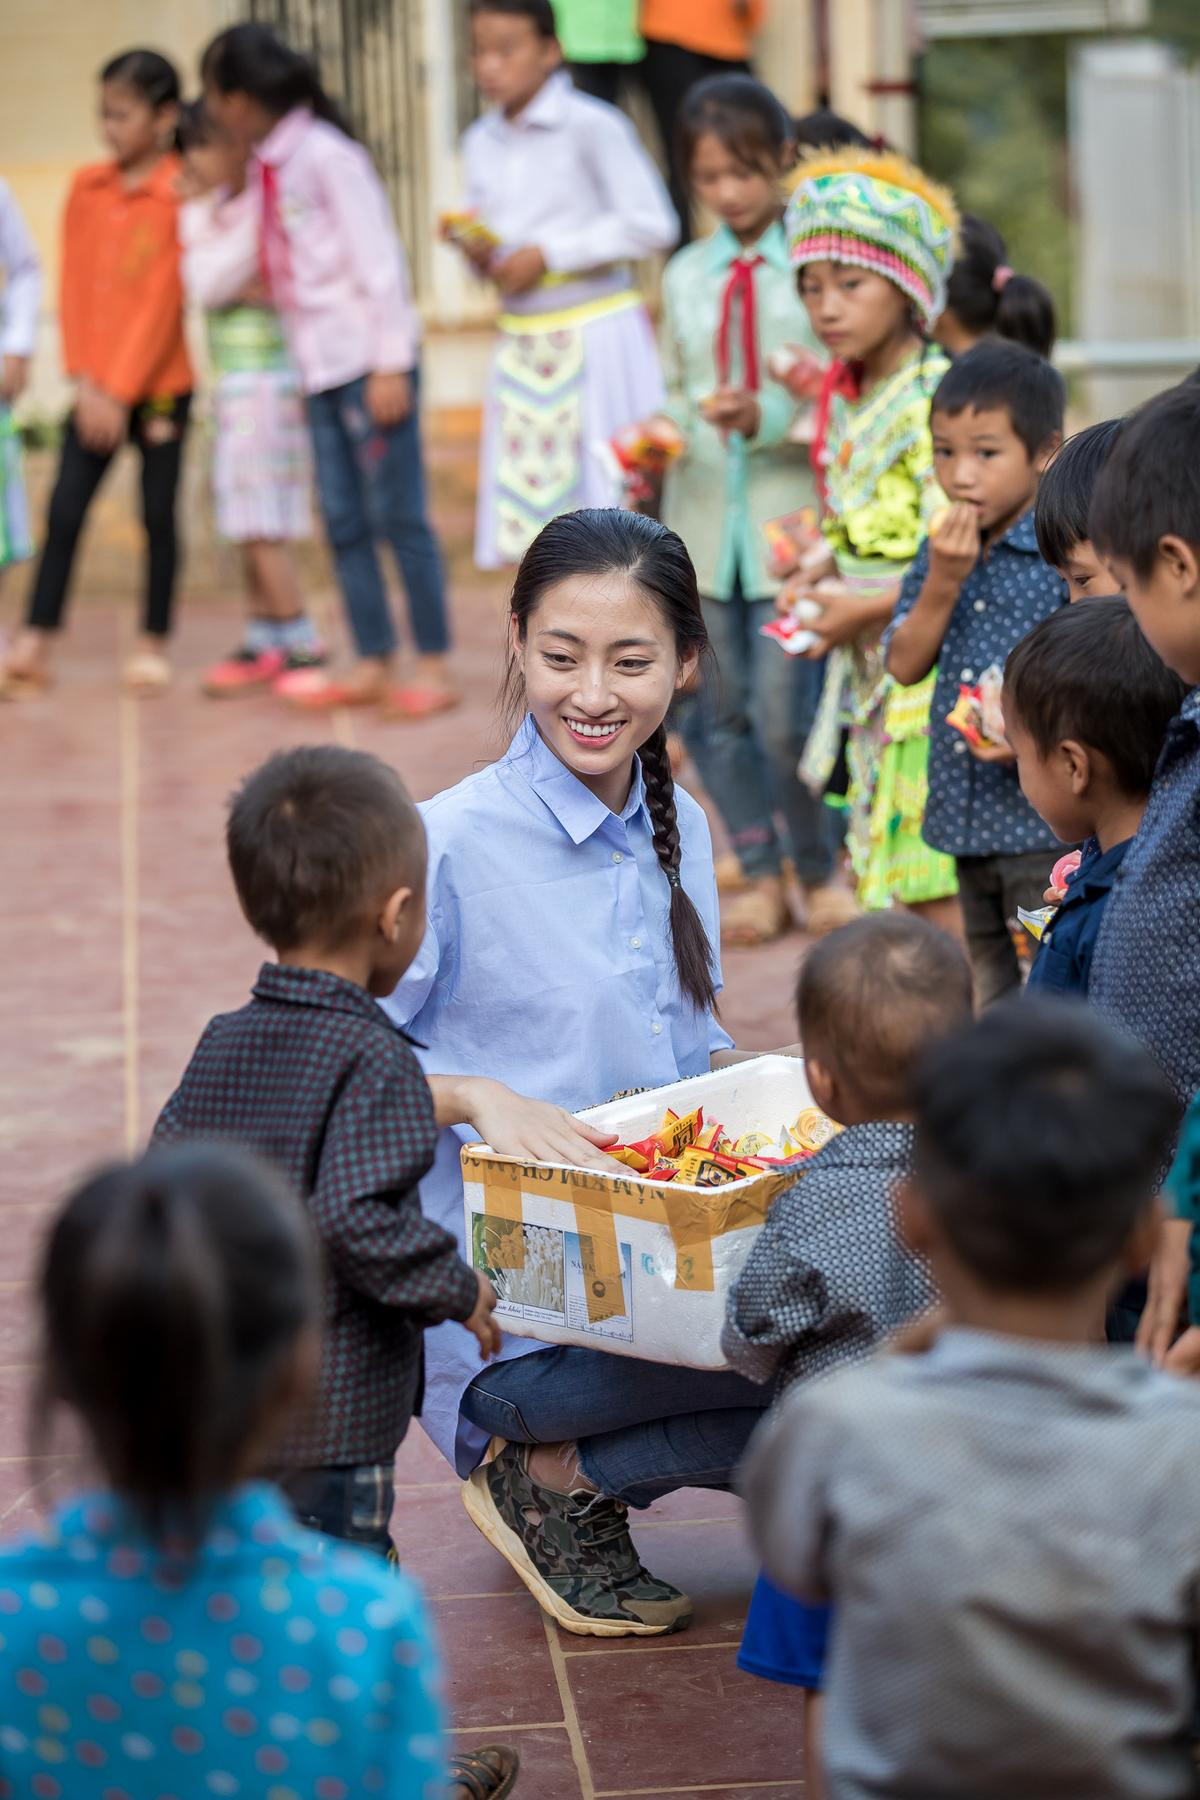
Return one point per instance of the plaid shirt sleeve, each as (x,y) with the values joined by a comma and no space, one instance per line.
(366,1207)
(778,1298)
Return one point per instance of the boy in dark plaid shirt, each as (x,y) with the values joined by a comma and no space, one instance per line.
(327,854)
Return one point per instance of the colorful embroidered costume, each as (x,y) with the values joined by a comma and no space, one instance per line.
(875,464)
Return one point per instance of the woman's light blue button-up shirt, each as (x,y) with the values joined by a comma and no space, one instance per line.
(547,965)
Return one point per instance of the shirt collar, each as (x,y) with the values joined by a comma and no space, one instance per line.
(293,986)
(548,108)
(1190,710)
(881,1144)
(576,808)
(1096,873)
(160,181)
(724,249)
(1020,535)
(283,137)
(254,1510)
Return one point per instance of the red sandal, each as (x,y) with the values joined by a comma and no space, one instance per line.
(418,702)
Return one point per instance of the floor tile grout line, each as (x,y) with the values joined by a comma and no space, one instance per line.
(15,1505)
(679,1524)
(707,1787)
(130,972)
(478,1731)
(587,1785)
(658,1646)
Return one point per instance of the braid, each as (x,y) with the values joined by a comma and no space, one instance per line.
(689,940)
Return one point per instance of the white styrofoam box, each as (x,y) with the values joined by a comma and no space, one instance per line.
(636,1267)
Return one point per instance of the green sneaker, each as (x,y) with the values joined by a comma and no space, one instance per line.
(573,1552)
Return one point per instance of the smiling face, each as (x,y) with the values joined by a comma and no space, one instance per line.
(600,666)
(742,196)
(979,459)
(853,311)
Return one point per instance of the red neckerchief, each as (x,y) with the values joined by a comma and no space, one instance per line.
(273,254)
(842,378)
(740,286)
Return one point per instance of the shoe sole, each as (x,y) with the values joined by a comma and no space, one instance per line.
(486,1517)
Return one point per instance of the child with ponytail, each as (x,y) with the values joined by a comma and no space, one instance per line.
(336,271)
(985,297)
(150,1622)
(570,951)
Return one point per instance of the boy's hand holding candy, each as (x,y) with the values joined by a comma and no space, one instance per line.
(954,544)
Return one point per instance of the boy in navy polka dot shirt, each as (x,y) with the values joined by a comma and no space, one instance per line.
(976,588)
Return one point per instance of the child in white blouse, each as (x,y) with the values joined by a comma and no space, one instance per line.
(567,199)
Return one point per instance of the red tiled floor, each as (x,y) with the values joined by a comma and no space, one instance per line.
(123,938)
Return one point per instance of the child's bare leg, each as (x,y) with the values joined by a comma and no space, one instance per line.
(434,672)
(274,579)
(30,652)
(814,1777)
(556,1466)
(945,914)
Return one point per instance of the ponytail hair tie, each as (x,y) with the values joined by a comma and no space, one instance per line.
(673,878)
(1002,277)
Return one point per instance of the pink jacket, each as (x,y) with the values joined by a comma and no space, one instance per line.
(337,270)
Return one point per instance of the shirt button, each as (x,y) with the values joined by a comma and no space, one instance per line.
(656,1028)
(617,856)
(981,606)
(635,943)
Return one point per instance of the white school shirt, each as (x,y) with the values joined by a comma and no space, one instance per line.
(568,174)
(22,280)
(547,965)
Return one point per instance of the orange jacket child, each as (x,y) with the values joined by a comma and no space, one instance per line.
(121,303)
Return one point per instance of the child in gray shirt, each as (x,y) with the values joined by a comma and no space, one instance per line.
(1008,1524)
(828,1276)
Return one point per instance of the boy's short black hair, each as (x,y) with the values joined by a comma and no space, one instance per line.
(1040,1134)
(315,837)
(1150,486)
(1000,374)
(1064,497)
(540,13)
(871,996)
(195,127)
(1088,673)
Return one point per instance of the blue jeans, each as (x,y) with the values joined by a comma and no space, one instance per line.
(642,1429)
(746,732)
(371,483)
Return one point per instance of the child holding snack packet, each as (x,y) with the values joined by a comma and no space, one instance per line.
(977,587)
(871,238)
(561,199)
(729,305)
(1086,709)
(827,1277)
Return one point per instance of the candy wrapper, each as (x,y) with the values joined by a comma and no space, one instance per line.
(802,373)
(1036,922)
(641,455)
(791,631)
(794,542)
(977,713)
(687,1150)
(467,231)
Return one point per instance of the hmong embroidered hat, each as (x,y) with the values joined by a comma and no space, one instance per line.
(876,210)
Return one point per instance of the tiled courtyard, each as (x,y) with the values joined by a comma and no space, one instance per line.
(121,937)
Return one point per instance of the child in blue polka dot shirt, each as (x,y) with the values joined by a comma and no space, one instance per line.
(177,1634)
(977,587)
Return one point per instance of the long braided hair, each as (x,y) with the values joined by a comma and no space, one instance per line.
(594,541)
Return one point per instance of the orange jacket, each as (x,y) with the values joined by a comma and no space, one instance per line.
(121,294)
(724,28)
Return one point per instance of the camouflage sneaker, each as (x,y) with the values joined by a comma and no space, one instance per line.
(573,1552)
